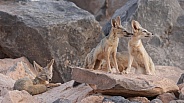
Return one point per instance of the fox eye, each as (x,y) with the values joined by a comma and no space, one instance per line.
(144,31)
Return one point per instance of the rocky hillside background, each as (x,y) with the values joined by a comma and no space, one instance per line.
(46,29)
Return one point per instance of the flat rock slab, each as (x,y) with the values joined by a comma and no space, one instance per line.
(126,85)
(64,92)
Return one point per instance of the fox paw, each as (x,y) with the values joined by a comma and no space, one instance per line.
(58,84)
(148,73)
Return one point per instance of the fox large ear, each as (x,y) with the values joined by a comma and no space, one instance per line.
(37,67)
(113,23)
(135,25)
(118,20)
(50,65)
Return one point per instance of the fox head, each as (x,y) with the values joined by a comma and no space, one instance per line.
(139,31)
(118,29)
(44,74)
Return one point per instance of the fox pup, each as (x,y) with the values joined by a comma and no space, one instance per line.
(41,81)
(137,51)
(107,47)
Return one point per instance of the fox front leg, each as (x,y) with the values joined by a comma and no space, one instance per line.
(146,65)
(130,61)
(115,61)
(108,62)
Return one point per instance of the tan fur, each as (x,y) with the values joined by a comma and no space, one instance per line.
(107,46)
(122,61)
(41,81)
(137,51)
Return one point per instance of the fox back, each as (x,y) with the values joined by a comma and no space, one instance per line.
(37,85)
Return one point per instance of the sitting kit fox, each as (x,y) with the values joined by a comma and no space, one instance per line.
(107,46)
(41,81)
(137,52)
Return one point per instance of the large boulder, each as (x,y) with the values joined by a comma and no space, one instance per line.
(101,9)
(46,29)
(164,19)
(127,85)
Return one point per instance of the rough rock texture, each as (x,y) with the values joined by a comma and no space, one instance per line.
(166,97)
(177,101)
(127,85)
(156,101)
(181,86)
(101,9)
(7,63)
(93,99)
(18,97)
(170,72)
(6,84)
(164,19)
(181,95)
(62,101)
(116,99)
(181,79)
(181,3)
(47,29)
(139,99)
(65,91)
(20,70)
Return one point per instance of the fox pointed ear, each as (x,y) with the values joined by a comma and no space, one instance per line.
(118,20)
(50,65)
(135,25)
(113,23)
(37,67)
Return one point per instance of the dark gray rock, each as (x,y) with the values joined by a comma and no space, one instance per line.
(164,19)
(116,99)
(62,101)
(156,101)
(181,79)
(181,3)
(101,9)
(48,29)
(177,101)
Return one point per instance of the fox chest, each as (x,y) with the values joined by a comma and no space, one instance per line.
(137,54)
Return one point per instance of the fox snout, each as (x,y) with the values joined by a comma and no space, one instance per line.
(149,34)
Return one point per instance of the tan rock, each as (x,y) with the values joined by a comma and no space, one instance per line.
(18,97)
(181,86)
(166,97)
(93,99)
(127,85)
(139,99)
(170,72)
(20,70)
(6,84)
(1,99)
(65,91)
(6,64)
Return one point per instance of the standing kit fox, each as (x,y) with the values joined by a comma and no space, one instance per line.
(41,81)
(107,46)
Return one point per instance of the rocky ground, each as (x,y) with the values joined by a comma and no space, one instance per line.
(94,86)
(42,30)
